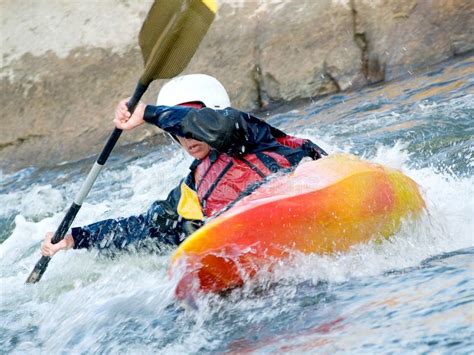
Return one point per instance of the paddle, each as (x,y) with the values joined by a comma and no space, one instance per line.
(168,39)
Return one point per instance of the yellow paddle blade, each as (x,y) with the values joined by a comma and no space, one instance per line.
(189,206)
(171,35)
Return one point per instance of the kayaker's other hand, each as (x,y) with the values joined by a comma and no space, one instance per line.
(49,249)
(122,117)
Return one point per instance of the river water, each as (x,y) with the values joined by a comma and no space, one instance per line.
(412,293)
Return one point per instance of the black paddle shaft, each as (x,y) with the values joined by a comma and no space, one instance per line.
(43,262)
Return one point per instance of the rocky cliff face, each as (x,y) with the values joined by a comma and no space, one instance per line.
(65,64)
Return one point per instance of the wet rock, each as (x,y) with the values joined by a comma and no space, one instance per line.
(399,37)
(307,50)
(66,113)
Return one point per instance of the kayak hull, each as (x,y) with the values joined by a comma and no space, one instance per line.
(323,206)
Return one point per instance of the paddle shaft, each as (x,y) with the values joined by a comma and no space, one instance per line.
(168,39)
(43,262)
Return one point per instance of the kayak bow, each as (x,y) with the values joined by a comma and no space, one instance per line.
(323,206)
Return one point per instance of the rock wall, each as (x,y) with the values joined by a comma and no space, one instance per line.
(66,63)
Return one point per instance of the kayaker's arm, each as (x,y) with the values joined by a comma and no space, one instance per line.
(224,130)
(160,223)
(229,130)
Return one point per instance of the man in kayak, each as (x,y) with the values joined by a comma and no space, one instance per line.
(234,152)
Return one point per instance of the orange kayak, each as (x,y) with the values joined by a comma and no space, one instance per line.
(323,206)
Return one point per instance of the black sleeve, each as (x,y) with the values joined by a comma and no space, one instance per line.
(160,224)
(228,131)
(224,130)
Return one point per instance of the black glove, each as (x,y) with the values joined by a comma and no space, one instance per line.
(313,150)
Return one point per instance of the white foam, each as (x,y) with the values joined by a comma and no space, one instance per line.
(115,291)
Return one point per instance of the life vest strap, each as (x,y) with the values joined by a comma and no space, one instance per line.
(216,182)
(253,167)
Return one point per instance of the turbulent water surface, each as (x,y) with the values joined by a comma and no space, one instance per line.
(412,293)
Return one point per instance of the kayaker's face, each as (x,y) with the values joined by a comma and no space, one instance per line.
(197,149)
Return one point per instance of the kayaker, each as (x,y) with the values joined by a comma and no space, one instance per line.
(233,150)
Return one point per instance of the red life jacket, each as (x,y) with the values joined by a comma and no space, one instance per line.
(220,179)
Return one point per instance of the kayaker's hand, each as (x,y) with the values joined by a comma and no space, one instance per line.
(122,118)
(49,249)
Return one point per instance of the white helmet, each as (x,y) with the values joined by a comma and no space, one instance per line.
(194,88)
